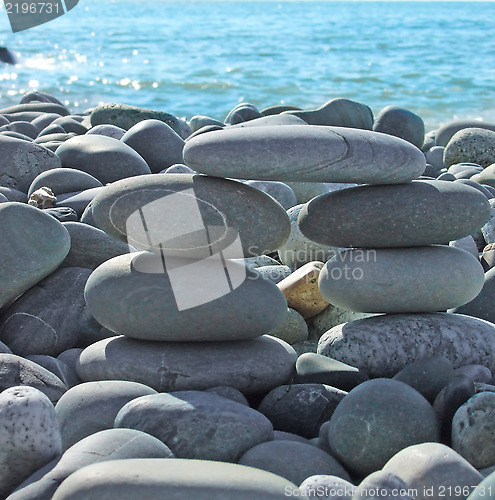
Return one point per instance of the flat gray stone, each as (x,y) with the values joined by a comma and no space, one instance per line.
(374,281)
(197,425)
(383,345)
(376,420)
(434,471)
(414,214)
(32,246)
(252,366)
(179,478)
(29,435)
(475,145)
(107,130)
(400,122)
(310,153)
(92,407)
(64,180)
(199,121)
(13,194)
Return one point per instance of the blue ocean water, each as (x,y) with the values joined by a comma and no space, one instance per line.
(203,57)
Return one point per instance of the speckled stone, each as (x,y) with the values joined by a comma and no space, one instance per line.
(301,408)
(111,444)
(22,161)
(476,145)
(434,470)
(197,425)
(92,407)
(64,180)
(447,131)
(374,281)
(322,486)
(339,113)
(400,122)
(473,430)
(305,153)
(292,329)
(376,420)
(29,435)
(383,345)
(252,366)
(179,478)
(394,216)
(32,246)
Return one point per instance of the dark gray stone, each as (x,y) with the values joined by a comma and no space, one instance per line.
(44,120)
(476,185)
(62,214)
(67,374)
(64,180)
(279,108)
(243,112)
(323,486)
(302,408)
(230,393)
(13,194)
(476,373)
(400,122)
(198,121)
(414,214)
(71,125)
(305,153)
(36,96)
(24,128)
(434,156)
(252,366)
(79,200)
(376,420)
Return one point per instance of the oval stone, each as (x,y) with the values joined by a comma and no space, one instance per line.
(383,345)
(197,202)
(64,180)
(414,214)
(305,153)
(252,366)
(475,145)
(175,478)
(401,122)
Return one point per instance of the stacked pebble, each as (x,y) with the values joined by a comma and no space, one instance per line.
(187,397)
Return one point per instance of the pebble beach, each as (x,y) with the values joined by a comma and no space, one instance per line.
(288,302)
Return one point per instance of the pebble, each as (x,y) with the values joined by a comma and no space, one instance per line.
(306,191)
(106,159)
(78,200)
(230,393)
(434,471)
(414,214)
(305,153)
(107,130)
(486,177)
(434,156)
(323,486)
(64,180)
(292,329)
(29,435)
(263,121)
(197,425)
(178,168)
(252,366)
(448,130)
(476,373)
(277,190)
(467,244)
(13,194)
(374,281)
(159,145)
(198,122)
(32,246)
(383,485)
(112,480)
(400,122)
(473,430)
(376,420)
(293,461)
(67,374)
(383,345)
(274,273)
(471,145)
(92,407)
(243,112)
(484,488)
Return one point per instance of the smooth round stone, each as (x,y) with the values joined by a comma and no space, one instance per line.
(176,478)
(13,194)
(21,127)
(252,366)
(446,176)
(292,460)
(42,121)
(32,246)
(288,436)
(306,191)
(15,135)
(428,376)
(78,200)
(67,374)
(476,145)
(487,177)
(111,444)
(197,122)
(178,168)
(374,281)
(50,317)
(292,329)
(488,230)
(382,485)
(447,131)
(473,430)
(400,122)
(107,130)
(467,173)
(434,156)
(332,487)
(309,153)
(92,407)
(224,206)
(70,356)
(383,345)
(53,128)
(476,185)
(197,425)
(376,420)
(91,247)
(312,368)
(64,180)
(467,244)
(274,273)
(461,167)
(106,159)
(339,113)
(29,435)
(476,373)
(484,488)
(156,142)
(4,349)
(43,107)
(264,121)
(127,297)
(243,112)
(434,471)
(279,108)
(3,198)
(278,190)
(395,216)
(22,161)
(71,125)
(430,172)
(302,408)
(230,393)
(299,250)
(124,116)
(54,137)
